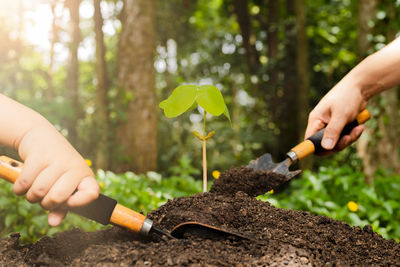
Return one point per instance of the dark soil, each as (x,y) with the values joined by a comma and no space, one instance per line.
(253,183)
(278,237)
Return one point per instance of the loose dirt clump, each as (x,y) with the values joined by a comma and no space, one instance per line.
(276,237)
(253,183)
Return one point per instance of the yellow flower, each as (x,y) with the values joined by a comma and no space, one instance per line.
(216,174)
(271,191)
(101,184)
(353,206)
(88,162)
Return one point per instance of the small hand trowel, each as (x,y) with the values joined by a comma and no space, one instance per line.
(304,149)
(104,210)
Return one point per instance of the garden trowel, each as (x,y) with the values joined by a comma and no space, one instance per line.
(104,210)
(309,146)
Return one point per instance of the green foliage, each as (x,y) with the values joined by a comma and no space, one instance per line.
(142,193)
(183,97)
(329,191)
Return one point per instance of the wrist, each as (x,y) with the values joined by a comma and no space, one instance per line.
(361,86)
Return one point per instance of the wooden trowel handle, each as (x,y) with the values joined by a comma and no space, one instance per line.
(104,210)
(313,143)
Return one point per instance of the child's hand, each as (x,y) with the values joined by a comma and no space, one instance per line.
(52,171)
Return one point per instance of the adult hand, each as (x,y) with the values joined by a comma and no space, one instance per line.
(337,108)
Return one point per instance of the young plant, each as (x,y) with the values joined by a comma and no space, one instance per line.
(188,97)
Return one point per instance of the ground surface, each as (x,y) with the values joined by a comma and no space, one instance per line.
(277,237)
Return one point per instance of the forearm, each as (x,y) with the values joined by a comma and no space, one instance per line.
(17,121)
(378,72)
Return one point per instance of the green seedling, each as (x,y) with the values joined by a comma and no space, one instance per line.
(188,97)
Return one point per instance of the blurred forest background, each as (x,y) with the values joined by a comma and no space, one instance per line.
(98,69)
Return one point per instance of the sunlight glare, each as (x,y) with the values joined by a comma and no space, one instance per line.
(38,31)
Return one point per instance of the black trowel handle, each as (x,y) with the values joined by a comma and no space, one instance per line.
(313,143)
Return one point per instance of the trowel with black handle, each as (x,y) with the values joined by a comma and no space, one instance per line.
(104,210)
(311,145)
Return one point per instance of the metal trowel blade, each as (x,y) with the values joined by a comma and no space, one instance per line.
(266,163)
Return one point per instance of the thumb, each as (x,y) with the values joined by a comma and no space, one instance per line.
(333,130)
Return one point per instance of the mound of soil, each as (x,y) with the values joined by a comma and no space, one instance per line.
(276,237)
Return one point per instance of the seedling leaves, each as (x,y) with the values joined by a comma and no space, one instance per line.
(186,97)
(181,99)
(211,100)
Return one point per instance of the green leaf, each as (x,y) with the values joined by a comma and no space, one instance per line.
(226,113)
(181,99)
(211,100)
(10,218)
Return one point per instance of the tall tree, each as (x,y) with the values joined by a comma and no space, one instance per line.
(286,101)
(241,9)
(389,121)
(302,72)
(379,151)
(73,70)
(273,7)
(54,38)
(102,103)
(137,133)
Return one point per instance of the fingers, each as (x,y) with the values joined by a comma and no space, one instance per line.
(333,130)
(88,190)
(55,217)
(347,140)
(61,190)
(53,186)
(314,125)
(28,174)
(42,184)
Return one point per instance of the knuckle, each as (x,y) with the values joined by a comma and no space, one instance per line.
(331,132)
(311,116)
(52,201)
(22,185)
(30,199)
(36,194)
(94,193)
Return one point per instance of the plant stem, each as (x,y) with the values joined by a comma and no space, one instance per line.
(204,155)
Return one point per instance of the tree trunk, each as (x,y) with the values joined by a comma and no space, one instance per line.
(366,13)
(389,121)
(102,110)
(54,33)
(302,75)
(379,150)
(73,70)
(286,100)
(137,134)
(241,9)
(273,42)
